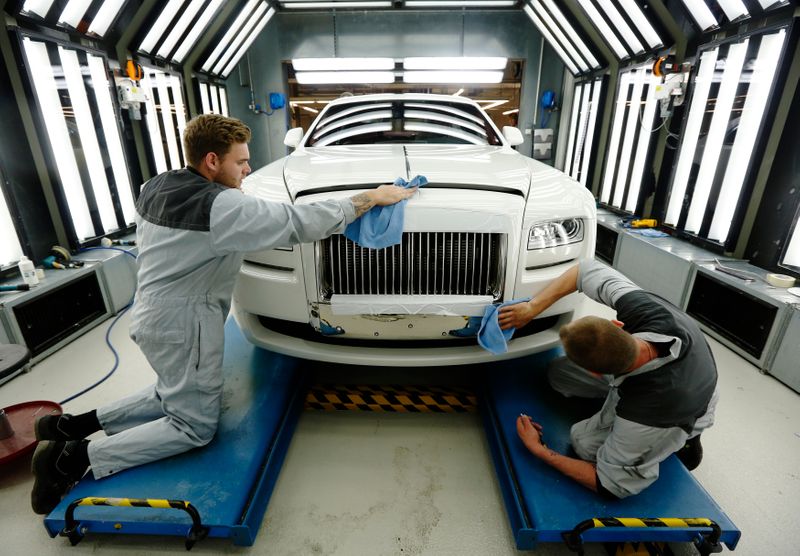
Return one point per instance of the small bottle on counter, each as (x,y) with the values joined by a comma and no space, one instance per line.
(28,271)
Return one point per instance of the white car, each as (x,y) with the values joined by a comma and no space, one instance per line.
(491,225)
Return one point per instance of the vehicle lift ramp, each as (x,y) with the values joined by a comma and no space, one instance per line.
(222,490)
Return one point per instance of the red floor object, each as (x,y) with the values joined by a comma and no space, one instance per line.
(21,418)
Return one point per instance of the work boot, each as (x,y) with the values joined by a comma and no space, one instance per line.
(691,454)
(66,427)
(56,467)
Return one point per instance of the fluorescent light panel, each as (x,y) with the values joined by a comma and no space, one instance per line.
(53,115)
(574,128)
(204,103)
(570,30)
(734,9)
(153,128)
(716,134)
(319,5)
(619,23)
(460,3)
(108,120)
(178,29)
(616,132)
(88,137)
(179,109)
(642,23)
(340,77)
(551,40)
(792,255)
(232,32)
(165,108)
(702,86)
(701,13)
(468,63)
(105,16)
(73,12)
(631,123)
(605,30)
(250,38)
(643,145)
(38,7)
(342,64)
(199,26)
(452,76)
(214,99)
(766,64)
(223,99)
(559,35)
(10,248)
(160,26)
(594,108)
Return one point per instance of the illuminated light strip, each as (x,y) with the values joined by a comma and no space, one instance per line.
(716,134)
(204,98)
(234,29)
(701,14)
(559,35)
(10,248)
(180,110)
(766,64)
(513,111)
(551,40)
(792,255)
(178,29)
(198,27)
(492,103)
(223,99)
(645,138)
(316,5)
(734,9)
(165,108)
(74,12)
(47,93)
(312,110)
(460,3)
(572,33)
(631,124)
(253,35)
(160,26)
(342,64)
(214,99)
(332,77)
(573,128)
(38,7)
(587,149)
(153,129)
(452,76)
(581,131)
(464,63)
(616,132)
(108,120)
(642,23)
(623,28)
(605,30)
(105,16)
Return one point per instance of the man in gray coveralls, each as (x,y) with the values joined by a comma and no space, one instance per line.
(193,226)
(654,369)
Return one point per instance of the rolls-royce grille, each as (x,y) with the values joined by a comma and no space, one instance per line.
(425,263)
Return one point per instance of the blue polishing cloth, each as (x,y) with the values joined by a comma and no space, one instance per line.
(490,336)
(382,227)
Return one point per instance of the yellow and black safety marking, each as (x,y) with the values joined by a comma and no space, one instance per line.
(400,399)
(133,502)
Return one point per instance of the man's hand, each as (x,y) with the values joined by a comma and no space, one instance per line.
(530,433)
(516,316)
(381,196)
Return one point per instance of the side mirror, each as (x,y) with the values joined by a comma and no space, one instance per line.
(293,137)
(513,135)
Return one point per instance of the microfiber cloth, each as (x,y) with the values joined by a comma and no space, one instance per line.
(382,227)
(490,337)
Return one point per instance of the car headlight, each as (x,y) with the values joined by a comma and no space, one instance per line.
(555,233)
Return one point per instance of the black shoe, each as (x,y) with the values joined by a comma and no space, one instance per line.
(691,454)
(50,427)
(56,467)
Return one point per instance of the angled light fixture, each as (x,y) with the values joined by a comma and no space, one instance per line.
(701,13)
(605,30)
(10,249)
(452,76)
(178,28)
(616,133)
(642,23)
(234,30)
(197,28)
(74,12)
(589,132)
(621,26)
(792,255)
(556,31)
(469,63)
(573,35)
(204,102)
(105,17)
(342,77)
(37,7)
(160,26)
(734,9)
(513,111)
(237,54)
(342,64)
(551,40)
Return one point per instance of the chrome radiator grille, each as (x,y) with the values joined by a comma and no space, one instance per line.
(425,263)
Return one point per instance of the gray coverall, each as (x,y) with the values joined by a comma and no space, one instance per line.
(191,235)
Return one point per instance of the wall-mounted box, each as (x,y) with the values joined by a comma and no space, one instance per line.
(748,317)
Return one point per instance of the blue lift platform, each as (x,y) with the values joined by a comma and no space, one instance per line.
(222,490)
(544,506)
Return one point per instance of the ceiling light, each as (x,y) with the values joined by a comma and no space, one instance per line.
(456,63)
(178,29)
(559,35)
(701,14)
(514,111)
(341,77)
(734,9)
(623,28)
(38,7)
(551,40)
(232,31)
(460,3)
(334,5)
(572,33)
(337,64)
(243,48)
(74,12)
(452,77)
(160,26)
(605,31)
(105,16)
(198,27)
(641,23)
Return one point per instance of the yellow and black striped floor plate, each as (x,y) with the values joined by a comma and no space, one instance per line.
(400,399)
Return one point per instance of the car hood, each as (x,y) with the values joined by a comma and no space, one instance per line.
(321,169)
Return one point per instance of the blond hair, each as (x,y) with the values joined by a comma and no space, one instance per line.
(211,133)
(598,345)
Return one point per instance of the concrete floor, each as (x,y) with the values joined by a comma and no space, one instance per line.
(375,484)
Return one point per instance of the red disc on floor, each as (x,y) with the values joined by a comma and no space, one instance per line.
(20,418)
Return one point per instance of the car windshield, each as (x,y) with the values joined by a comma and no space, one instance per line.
(398,121)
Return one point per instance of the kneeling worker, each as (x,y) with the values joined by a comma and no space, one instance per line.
(193,226)
(654,369)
